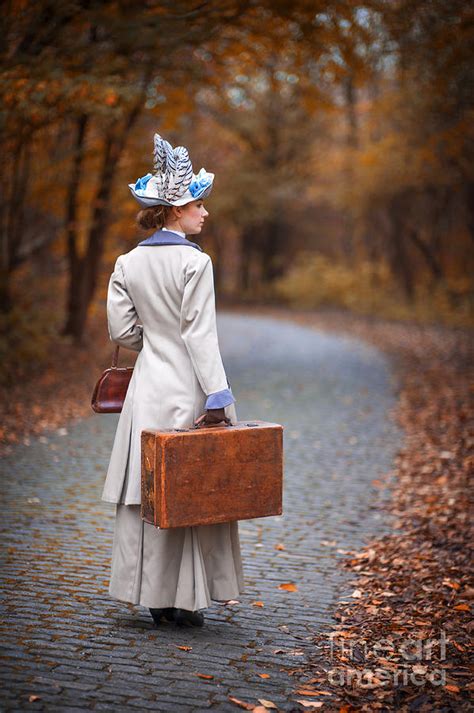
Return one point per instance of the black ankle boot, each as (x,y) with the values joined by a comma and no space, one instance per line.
(183,617)
(159,614)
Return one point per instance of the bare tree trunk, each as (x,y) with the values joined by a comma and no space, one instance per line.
(402,265)
(271,251)
(84,275)
(74,296)
(429,256)
(351,140)
(89,265)
(214,244)
(5,291)
(246,247)
(398,251)
(13,220)
(24,177)
(350,100)
(269,244)
(470,207)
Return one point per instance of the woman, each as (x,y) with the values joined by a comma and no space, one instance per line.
(161,303)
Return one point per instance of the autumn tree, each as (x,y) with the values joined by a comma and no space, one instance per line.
(413,167)
(86,77)
(276,95)
(344,127)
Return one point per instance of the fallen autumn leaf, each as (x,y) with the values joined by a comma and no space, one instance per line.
(288,587)
(310,704)
(452,688)
(241,704)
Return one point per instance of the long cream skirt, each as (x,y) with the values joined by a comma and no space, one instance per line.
(183,567)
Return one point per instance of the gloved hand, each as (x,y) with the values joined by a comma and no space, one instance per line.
(211,417)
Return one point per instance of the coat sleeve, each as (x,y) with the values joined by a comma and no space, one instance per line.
(199,333)
(121,314)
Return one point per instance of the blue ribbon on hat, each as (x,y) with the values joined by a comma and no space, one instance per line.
(140,185)
(202,181)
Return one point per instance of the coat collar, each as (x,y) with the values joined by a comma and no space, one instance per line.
(167,237)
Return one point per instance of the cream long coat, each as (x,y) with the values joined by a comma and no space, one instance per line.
(161,303)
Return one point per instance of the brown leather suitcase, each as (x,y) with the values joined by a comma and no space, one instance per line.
(201,476)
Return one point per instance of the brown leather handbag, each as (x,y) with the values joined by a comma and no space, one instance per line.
(111,388)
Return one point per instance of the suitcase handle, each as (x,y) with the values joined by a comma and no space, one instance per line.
(226,420)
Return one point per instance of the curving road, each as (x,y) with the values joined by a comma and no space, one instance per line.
(65,642)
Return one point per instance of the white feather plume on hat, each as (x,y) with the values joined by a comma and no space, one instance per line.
(174,182)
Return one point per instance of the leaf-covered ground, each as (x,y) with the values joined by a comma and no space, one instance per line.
(402,641)
(46,395)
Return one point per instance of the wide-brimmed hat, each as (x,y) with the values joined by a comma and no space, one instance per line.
(173,182)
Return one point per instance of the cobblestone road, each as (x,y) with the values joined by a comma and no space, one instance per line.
(67,646)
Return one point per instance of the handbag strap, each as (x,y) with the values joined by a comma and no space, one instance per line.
(115,357)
